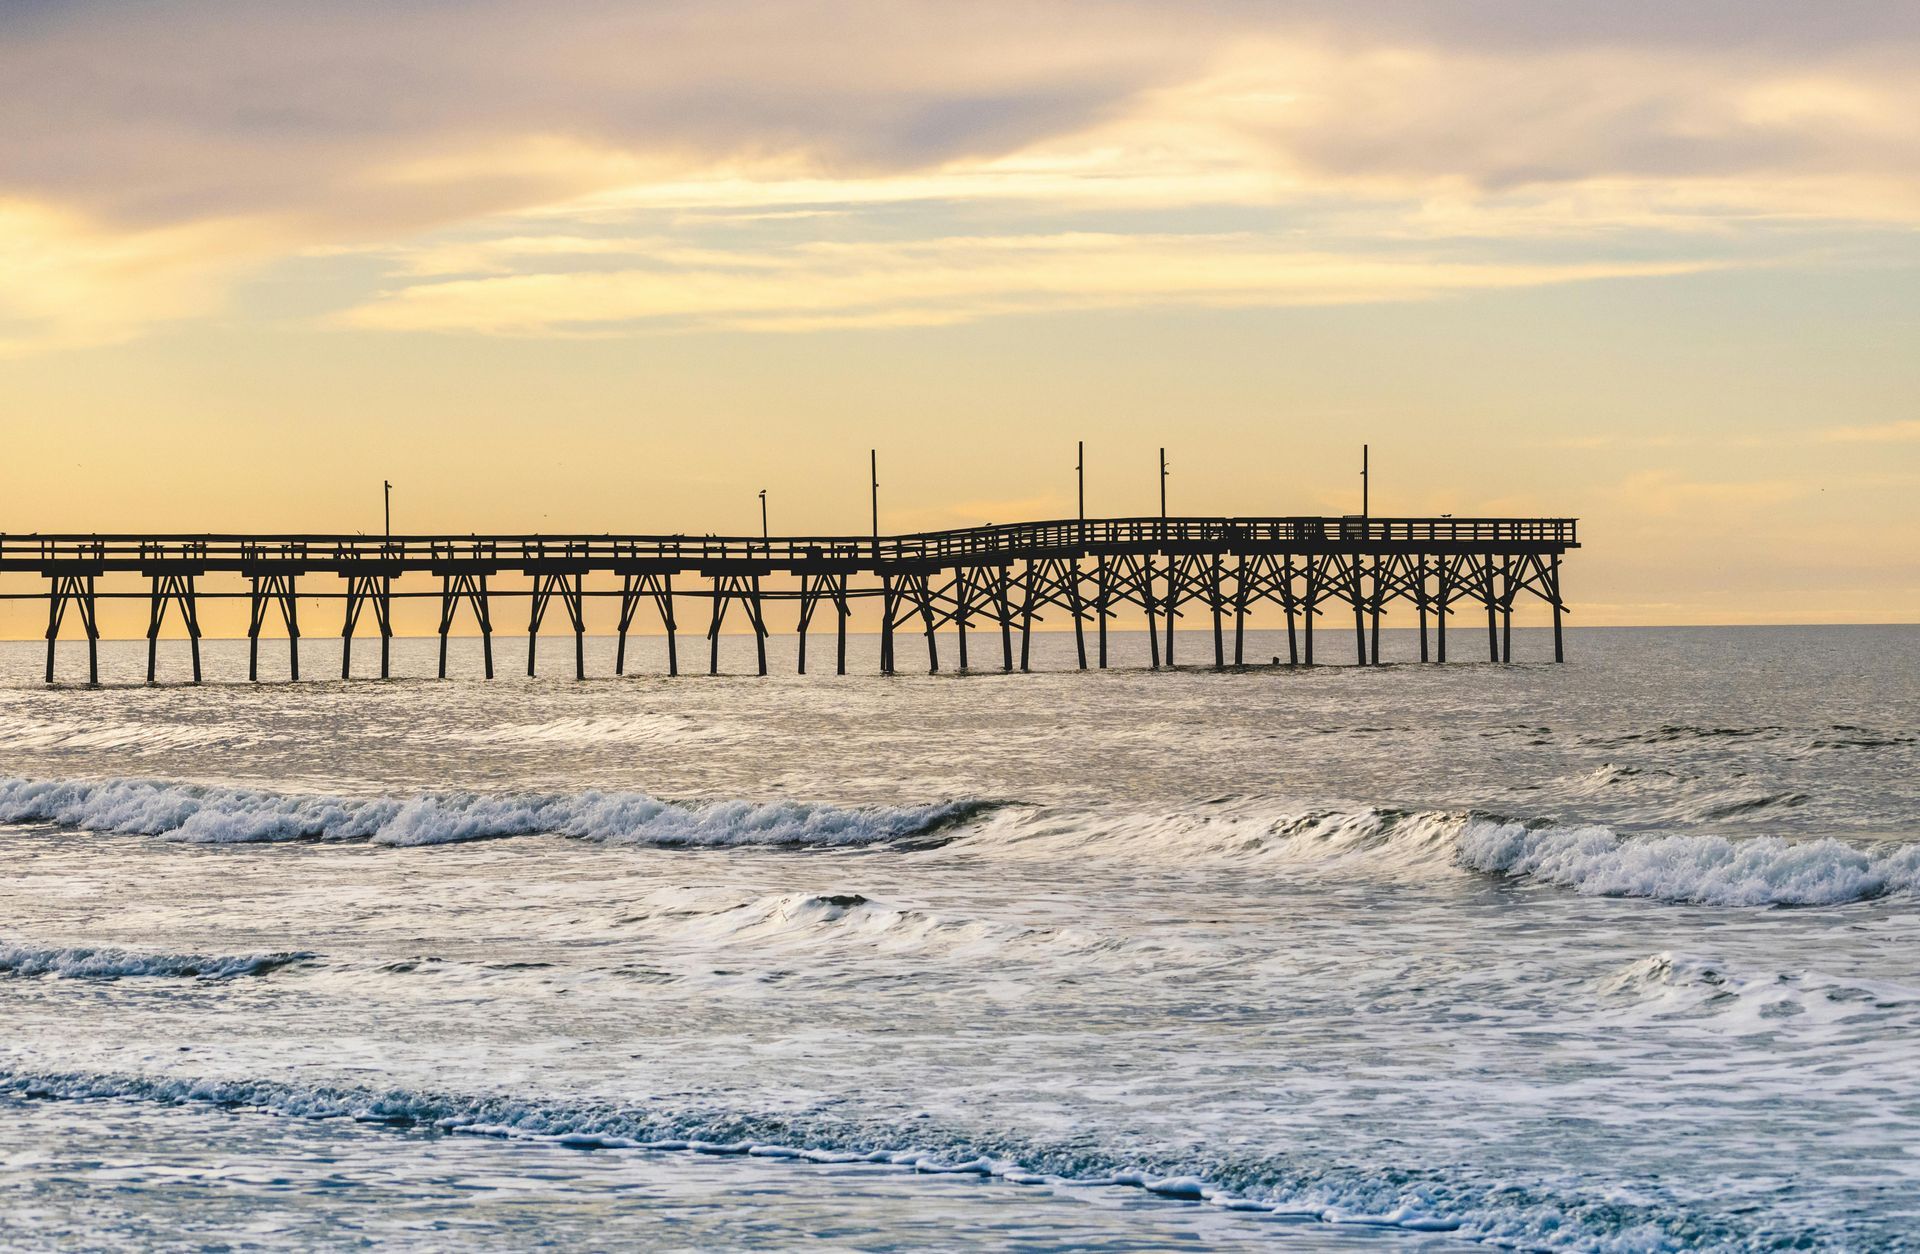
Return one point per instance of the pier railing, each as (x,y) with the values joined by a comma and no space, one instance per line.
(431,552)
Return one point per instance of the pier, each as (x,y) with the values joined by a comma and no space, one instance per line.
(994,581)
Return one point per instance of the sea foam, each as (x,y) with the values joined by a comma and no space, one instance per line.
(83,962)
(1680,868)
(1693,869)
(1527,1214)
(205,815)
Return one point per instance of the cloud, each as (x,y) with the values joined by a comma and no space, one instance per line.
(66,282)
(1907,432)
(169,148)
(940,281)
(180,109)
(1664,492)
(358,118)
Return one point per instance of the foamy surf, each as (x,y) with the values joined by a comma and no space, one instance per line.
(85,962)
(786,919)
(1526,1214)
(206,815)
(1671,984)
(1593,860)
(1590,859)
(1693,870)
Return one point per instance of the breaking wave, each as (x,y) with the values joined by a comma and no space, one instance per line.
(81,962)
(1697,870)
(853,918)
(1592,860)
(203,815)
(1532,1214)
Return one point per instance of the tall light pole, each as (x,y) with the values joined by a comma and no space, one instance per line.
(763,516)
(387,490)
(873,461)
(1080,477)
(1163,485)
(1365,485)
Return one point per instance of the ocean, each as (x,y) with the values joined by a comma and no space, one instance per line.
(1617,955)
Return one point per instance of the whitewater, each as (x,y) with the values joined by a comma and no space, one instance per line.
(1619,955)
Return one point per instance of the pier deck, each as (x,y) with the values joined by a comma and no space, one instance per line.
(1001,578)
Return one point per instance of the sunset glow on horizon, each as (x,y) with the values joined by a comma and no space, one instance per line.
(606,267)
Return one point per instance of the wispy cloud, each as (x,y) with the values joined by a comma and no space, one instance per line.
(67,282)
(1664,492)
(1907,432)
(872,284)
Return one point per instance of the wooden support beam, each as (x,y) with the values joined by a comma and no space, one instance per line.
(1374,607)
(757,616)
(922,592)
(815,588)
(1553,594)
(1493,609)
(1289,604)
(809,596)
(1311,603)
(362,591)
(1172,603)
(1076,607)
(1506,611)
(1420,602)
(172,590)
(1240,613)
(1147,603)
(1004,605)
(962,611)
(1102,603)
(273,591)
(1359,606)
(567,587)
(1026,620)
(713,629)
(886,624)
(636,588)
(470,589)
(840,613)
(75,590)
(1214,596)
(664,600)
(745,589)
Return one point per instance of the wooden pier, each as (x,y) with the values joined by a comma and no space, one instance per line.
(1000,580)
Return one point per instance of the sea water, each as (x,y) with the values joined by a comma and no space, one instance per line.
(1621,954)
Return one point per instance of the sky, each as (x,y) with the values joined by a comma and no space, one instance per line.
(593,266)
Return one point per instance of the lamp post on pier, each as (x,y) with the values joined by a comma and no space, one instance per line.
(1163,491)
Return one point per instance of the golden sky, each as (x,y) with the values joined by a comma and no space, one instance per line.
(598,266)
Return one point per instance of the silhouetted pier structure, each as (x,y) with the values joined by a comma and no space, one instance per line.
(1000,579)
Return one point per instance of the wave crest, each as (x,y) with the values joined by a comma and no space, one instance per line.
(81,962)
(851,917)
(1696,870)
(1593,860)
(203,815)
